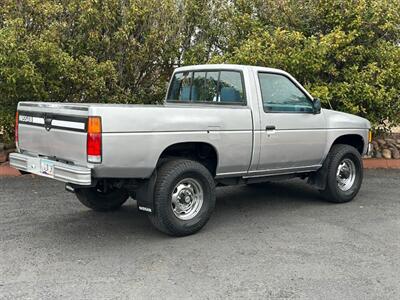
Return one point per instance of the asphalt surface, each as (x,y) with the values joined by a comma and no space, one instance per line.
(276,241)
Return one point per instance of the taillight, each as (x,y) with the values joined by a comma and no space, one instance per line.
(16,129)
(94,140)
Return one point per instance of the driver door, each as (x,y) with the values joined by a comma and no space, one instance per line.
(293,137)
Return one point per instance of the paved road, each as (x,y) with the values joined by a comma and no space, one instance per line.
(277,241)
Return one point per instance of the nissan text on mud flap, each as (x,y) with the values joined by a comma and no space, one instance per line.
(219,125)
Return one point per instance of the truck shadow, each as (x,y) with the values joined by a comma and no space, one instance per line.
(275,195)
(234,205)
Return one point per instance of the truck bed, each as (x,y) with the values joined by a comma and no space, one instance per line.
(134,136)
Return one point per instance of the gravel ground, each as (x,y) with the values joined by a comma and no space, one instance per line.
(276,241)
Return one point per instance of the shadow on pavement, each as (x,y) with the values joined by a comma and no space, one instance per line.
(234,204)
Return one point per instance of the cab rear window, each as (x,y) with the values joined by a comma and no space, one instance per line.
(213,86)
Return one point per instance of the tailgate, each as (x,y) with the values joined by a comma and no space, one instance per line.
(53,130)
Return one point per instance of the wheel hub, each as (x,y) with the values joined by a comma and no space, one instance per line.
(187,199)
(346,174)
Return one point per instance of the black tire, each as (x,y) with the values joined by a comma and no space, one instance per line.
(337,155)
(98,200)
(168,176)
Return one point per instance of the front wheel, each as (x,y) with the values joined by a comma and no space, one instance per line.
(344,174)
(184,197)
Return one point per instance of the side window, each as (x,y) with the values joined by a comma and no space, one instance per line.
(198,86)
(231,87)
(207,86)
(212,86)
(204,88)
(280,94)
(180,87)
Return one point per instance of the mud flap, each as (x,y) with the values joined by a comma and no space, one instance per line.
(319,178)
(144,195)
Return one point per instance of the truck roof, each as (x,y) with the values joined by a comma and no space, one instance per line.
(228,67)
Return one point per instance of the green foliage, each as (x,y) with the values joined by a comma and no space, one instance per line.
(345,52)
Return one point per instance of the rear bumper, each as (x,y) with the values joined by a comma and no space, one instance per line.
(62,172)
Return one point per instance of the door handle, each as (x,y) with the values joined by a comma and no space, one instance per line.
(270,127)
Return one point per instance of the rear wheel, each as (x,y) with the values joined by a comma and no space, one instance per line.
(102,198)
(344,174)
(184,197)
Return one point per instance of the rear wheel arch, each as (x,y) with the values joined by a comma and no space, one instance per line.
(194,151)
(202,152)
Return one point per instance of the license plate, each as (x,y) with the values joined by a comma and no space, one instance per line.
(47,167)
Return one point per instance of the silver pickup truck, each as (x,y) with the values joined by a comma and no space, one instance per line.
(219,125)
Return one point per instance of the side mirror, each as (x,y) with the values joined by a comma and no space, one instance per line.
(317,106)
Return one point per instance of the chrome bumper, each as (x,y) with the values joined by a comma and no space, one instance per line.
(62,172)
